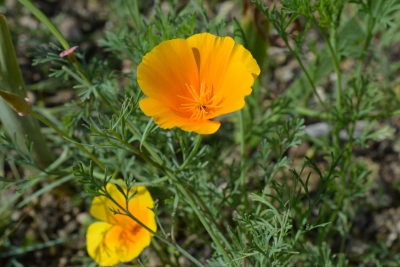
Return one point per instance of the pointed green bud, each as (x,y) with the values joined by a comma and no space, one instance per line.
(20,105)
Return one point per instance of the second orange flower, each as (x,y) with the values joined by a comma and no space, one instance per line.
(188,82)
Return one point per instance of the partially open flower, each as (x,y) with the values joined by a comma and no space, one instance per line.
(118,238)
(188,82)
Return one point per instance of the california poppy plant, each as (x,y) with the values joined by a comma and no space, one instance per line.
(188,82)
(119,238)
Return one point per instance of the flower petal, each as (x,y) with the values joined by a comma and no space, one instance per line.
(168,118)
(110,244)
(165,71)
(132,243)
(236,86)
(138,207)
(214,55)
(99,245)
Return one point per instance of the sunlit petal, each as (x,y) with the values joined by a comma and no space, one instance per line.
(165,70)
(100,243)
(168,118)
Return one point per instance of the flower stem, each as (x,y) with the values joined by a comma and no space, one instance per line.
(46,21)
(242,156)
(192,154)
(366,46)
(58,130)
(296,56)
(193,205)
(135,17)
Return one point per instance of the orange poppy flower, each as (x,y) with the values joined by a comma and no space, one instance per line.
(119,238)
(188,82)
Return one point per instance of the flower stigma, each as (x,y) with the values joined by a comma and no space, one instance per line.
(203,104)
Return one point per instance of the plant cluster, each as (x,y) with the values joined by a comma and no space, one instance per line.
(235,197)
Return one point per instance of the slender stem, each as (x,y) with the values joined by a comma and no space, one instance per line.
(143,155)
(161,252)
(305,72)
(264,192)
(336,56)
(193,205)
(100,176)
(46,21)
(309,79)
(366,46)
(242,156)
(209,215)
(58,130)
(312,113)
(325,116)
(130,11)
(136,17)
(137,134)
(192,154)
(132,128)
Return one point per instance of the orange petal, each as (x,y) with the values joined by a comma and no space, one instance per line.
(235,87)
(165,71)
(214,55)
(168,118)
(138,207)
(110,244)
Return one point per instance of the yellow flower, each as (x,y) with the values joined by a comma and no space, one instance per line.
(119,238)
(188,82)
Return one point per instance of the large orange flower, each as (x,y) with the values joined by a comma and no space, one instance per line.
(188,82)
(119,238)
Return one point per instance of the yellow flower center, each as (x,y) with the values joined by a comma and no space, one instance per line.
(203,103)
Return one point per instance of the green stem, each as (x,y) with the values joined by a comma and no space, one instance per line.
(333,51)
(337,70)
(312,113)
(136,17)
(306,73)
(46,21)
(242,156)
(209,216)
(191,202)
(161,252)
(192,154)
(137,152)
(366,46)
(133,129)
(324,116)
(58,130)
(193,205)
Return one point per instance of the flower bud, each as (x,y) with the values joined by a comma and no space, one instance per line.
(20,105)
